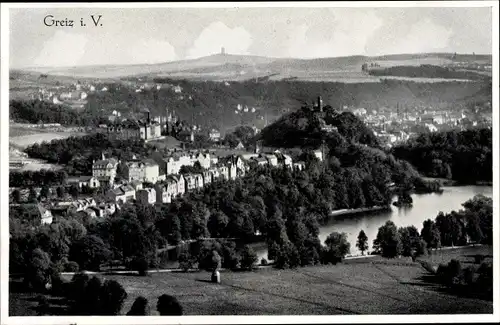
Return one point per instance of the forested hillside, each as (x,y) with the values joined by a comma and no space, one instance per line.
(214,104)
(464,156)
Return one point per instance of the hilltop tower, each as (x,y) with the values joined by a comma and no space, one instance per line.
(222,51)
(320,104)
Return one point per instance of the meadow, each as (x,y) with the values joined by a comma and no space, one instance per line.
(358,286)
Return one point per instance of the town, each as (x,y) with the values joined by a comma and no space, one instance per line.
(250,161)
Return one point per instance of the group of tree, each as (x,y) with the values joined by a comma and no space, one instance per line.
(243,133)
(473,224)
(464,156)
(427,71)
(304,128)
(36,111)
(37,178)
(476,281)
(86,296)
(78,153)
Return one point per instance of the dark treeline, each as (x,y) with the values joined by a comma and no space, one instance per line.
(472,224)
(464,156)
(37,178)
(34,111)
(427,71)
(213,103)
(79,152)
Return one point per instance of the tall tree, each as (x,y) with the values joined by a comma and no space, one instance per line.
(362,242)
(388,241)
(337,247)
(431,234)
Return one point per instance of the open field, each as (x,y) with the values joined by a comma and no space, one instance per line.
(359,286)
(167,142)
(22,137)
(27,140)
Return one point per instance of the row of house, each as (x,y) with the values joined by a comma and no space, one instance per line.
(165,188)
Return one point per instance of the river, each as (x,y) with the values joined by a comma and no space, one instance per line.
(425,206)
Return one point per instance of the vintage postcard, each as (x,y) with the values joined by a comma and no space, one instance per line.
(249,162)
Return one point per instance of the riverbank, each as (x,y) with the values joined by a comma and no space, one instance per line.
(345,212)
(453,183)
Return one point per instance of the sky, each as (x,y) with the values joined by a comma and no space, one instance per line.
(155,35)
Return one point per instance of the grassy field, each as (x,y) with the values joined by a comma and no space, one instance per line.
(168,142)
(361,286)
(22,137)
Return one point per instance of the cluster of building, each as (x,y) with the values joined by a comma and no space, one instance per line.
(396,125)
(74,95)
(143,182)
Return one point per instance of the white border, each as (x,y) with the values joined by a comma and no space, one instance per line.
(4,134)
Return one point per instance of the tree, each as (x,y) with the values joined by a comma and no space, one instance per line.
(388,241)
(168,306)
(73,191)
(60,192)
(431,234)
(362,243)
(32,198)
(474,229)
(89,252)
(140,264)
(44,192)
(37,272)
(186,261)
(112,297)
(337,247)
(410,240)
(16,196)
(140,307)
(89,303)
(217,224)
(175,235)
(248,258)
(287,256)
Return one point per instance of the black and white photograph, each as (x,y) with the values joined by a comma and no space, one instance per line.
(189,161)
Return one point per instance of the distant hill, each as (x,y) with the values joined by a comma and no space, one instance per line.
(240,67)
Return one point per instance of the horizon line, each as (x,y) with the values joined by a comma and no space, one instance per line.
(242,55)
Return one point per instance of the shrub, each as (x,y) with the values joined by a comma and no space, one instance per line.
(168,306)
(140,264)
(112,296)
(186,261)
(43,305)
(140,307)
